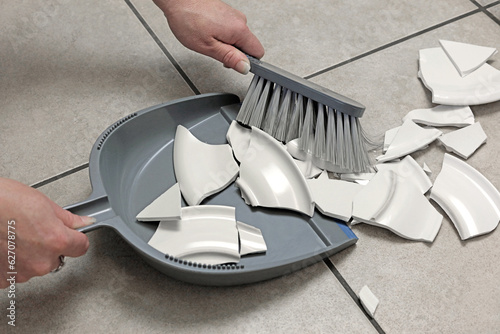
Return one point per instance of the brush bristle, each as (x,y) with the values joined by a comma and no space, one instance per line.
(331,139)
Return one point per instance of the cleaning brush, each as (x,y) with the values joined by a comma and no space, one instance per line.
(325,124)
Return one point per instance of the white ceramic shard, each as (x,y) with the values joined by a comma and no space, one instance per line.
(293,148)
(468,198)
(398,206)
(201,169)
(442,115)
(166,207)
(368,300)
(410,138)
(464,142)
(238,137)
(440,76)
(206,234)
(426,169)
(333,197)
(408,171)
(360,178)
(251,239)
(389,137)
(466,57)
(270,178)
(307,168)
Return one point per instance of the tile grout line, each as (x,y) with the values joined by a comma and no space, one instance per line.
(351,293)
(485,11)
(163,48)
(391,44)
(60,176)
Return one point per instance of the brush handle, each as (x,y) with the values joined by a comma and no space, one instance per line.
(306,88)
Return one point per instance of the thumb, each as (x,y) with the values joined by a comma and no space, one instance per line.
(233,58)
(71,220)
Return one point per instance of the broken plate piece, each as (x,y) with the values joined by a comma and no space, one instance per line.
(307,168)
(270,178)
(333,198)
(389,137)
(238,137)
(464,142)
(201,169)
(409,139)
(368,300)
(206,234)
(426,169)
(251,239)
(360,178)
(442,116)
(166,207)
(398,206)
(467,197)
(408,171)
(447,86)
(467,57)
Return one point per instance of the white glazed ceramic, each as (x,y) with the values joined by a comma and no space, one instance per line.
(467,197)
(398,206)
(360,178)
(389,137)
(206,234)
(270,178)
(410,138)
(307,168)
(201,169)
(464,142)
(442,115)
(238,137)
(166,207)
(368,300)
(426,169)
(333,197)
(466,57)
(251,239)
(408,171)
(440,76)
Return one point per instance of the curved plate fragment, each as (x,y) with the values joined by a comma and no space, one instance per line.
(270,178)
(408,170)
(464,142)
(333,198)
(447,86)
(166,207)
(466,57)
(251,239)
(398,206)
(206,234)
(410,138)
(442,115)
(238,137)
(201,169)
(468,198)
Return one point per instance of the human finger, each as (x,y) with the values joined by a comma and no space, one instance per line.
(71,220)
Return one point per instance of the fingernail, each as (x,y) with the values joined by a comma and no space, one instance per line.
(243,67)
(88,220)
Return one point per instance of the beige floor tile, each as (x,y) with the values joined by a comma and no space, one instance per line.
(111,289)
(448,286)
(307,36)
(69,70)
(495,10)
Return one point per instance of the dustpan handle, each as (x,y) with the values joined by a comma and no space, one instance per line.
(306,88)
(96,207)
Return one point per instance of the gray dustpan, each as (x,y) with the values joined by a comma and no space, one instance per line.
(131,165)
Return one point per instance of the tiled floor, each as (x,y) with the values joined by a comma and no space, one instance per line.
(69,69)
